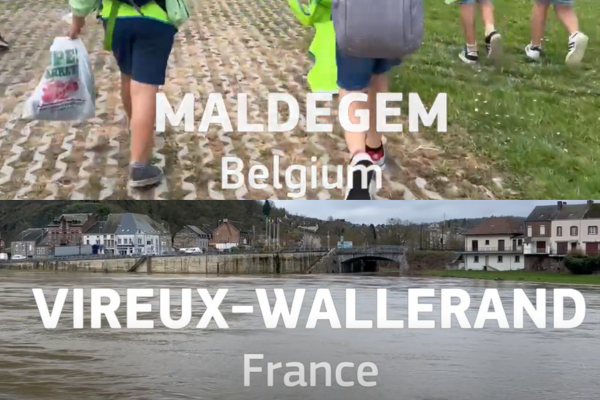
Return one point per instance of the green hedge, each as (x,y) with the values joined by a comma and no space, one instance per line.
(583,265)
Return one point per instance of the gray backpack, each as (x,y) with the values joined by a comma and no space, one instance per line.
(388,29)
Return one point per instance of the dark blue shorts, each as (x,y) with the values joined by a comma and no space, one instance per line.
(354,74)
(142,47)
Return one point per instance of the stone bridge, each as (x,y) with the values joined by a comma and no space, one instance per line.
(362,259)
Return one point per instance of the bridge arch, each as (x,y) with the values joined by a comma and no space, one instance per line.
(367,263)
(372,259)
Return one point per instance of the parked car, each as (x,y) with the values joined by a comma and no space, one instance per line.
(194,250)
(18,257)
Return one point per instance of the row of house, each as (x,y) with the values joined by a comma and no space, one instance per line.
(225,235)
(121,234)
(549,233)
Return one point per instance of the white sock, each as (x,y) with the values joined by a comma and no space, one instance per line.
(489,29)
(471,48)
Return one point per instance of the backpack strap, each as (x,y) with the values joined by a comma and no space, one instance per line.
(112,19)
(110,25)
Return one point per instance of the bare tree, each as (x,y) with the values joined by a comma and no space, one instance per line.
(403,233)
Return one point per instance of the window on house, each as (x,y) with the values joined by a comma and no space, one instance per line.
(542,230)
(559,231)
(87,241)
(517,259)
(500,259)
(520,242)
(573,231)
(476,259)
(119,241)
(487,242)
(592,230)
(139,240)
(529,231)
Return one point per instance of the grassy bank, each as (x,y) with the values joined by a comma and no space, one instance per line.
(519,276)
(534,123)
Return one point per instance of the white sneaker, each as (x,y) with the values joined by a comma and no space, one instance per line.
(577,45)
(362,190)
(468,57)
(534,53)
(493,46)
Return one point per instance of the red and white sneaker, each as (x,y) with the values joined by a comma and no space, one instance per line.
(363,167)
(378,155)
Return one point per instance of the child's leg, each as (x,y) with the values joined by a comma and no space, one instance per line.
(577,40)
(487,15)
(126,95)
(354,76)
(379,84)
(538,21)
(566,15)
(467,18)
(150,54)
(493,40)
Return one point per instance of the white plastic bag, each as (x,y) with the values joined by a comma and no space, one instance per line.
(66,91)
(68,18)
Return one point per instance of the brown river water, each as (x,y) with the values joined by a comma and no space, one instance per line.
(413,364)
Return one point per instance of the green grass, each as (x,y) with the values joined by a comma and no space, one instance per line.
(536,125)
(546,277)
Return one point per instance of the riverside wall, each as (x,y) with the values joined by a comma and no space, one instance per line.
(267,263)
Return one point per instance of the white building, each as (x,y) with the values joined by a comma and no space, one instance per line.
(494,245)
(129,234)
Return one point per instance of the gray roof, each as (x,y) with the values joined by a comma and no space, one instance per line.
(593,212)
(199,231)
(543,213)
(129,224)
(45,240)
(30,235)
(572,211)
(97,228)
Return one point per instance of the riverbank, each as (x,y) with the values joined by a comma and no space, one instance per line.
(259,263)
(546,277)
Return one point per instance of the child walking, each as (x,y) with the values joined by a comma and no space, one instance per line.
(142,41)
(577,43)
(493,40)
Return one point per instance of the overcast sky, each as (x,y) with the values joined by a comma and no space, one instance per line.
(377,212)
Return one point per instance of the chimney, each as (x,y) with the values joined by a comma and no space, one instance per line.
(559,204)
(590,202)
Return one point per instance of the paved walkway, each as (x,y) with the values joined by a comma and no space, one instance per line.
(229,46)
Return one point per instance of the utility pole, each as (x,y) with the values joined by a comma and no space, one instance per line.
(266,230)
(328,242)
(267,237)
(443,226)
(277,228)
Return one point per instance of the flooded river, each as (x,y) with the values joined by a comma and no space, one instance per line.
(412,364)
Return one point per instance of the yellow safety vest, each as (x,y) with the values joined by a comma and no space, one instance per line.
(150,10)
